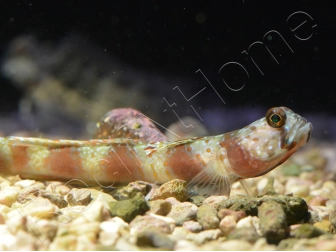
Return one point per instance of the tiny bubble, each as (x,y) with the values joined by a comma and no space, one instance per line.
(11,19)
(269,37)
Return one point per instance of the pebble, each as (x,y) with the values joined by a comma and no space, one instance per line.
(42,228)
(154,239)
(238,215)
(249,222)
(175,188)
(24,183)
(323,225)
(112,230)
(130,208)
(262,245)
(318,213)
(67,242)
(198,238)
(78,228)
(273,221)
(227,224)
(129,191)
(207,217)
(147,222)
(182,212)
(215,201)
(160,207)
(115,225)
(318,201)
(94,211)
(81,197)
(8,195)
(192,226)
(248,234)
(62,190)
(307,231)
(31,192)
(235,245)
(298,190)
(38,207)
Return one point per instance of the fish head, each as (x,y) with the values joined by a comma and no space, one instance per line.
(268,142)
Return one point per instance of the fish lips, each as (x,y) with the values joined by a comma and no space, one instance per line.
(301,129)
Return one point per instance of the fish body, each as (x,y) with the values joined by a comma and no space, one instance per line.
(209,164)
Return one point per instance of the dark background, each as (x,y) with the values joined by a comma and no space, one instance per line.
(175,38)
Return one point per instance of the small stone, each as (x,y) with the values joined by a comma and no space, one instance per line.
(42,228)
(215,201)
(67,242)
(62,190)
(149,223)
(207,217)
(287,244)
(330,186)
(262,245)
(154,239)
(173,201)
(204,236)
(24,183)
(273,221)
(166,219)
(299,190)
(237,214)
(78,228)
(323,225)
(236,245)
(95,194)
(249,222)
(24,242)
(175,188)
(115,225)
(9,195)
(247,234)
(16,221)
(291,170)
(87,242)
(192,226)
(129,191)
(319,213)
(326,245)
(38,207)
(197,199)
(318,201)
(81,197)
(128,209)
(307,231)
(4,209)
(112,230)
(160,207)
(94,211)
(31,192)
(183,212)
(228,224)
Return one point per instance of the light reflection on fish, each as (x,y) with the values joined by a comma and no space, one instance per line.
(209,164)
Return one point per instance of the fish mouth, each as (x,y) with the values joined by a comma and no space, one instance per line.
(300,130)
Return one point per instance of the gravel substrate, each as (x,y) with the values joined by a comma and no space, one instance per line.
(295,210)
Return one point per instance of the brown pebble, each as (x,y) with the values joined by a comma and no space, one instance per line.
(238,215)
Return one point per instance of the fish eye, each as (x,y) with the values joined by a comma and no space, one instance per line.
(276,117)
